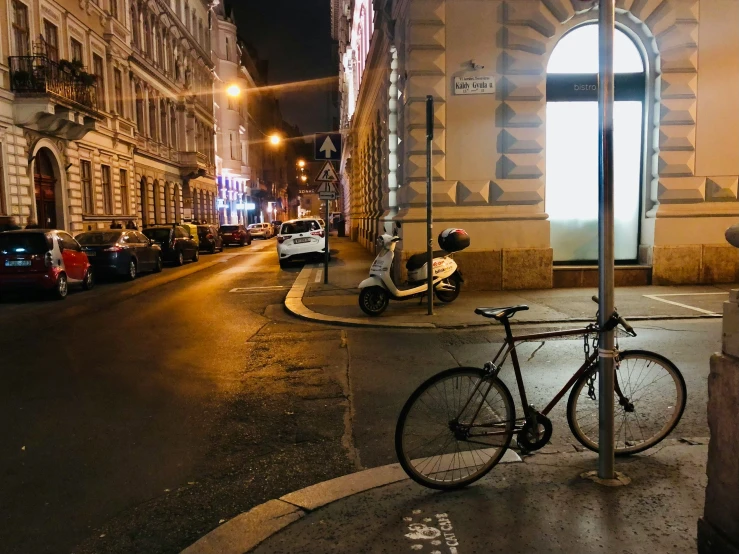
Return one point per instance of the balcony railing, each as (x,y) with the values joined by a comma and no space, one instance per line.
(41,75)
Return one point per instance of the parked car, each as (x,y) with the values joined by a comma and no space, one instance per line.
(125,253)
(276,228)
(43,259)
(209,238)
(192,229)
(176,243)
(261,230)
(300,239)
(235,234)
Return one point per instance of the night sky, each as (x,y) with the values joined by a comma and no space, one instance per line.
(295,36)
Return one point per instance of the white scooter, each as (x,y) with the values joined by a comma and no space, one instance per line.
(376,291)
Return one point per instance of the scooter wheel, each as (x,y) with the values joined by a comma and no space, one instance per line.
(449,295)
(373,300)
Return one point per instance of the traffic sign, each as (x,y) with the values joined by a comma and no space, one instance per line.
(327,146)
(327,174)
(330,195)
(325,187)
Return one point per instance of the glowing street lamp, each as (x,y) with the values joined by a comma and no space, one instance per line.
(233,90)
(275,139)
(304,178)
(301,163)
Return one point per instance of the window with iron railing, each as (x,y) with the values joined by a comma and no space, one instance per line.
(51,40)
(20,28)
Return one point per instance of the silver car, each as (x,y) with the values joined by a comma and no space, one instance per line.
(260,230)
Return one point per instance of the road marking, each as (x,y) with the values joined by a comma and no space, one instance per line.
(701,310)
(319,275)
(257,289)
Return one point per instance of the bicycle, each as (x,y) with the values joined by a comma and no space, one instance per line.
(468,418)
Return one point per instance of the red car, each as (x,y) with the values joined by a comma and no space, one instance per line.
(235,234)
(43,259)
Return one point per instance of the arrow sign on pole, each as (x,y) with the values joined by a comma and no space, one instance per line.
(327,146)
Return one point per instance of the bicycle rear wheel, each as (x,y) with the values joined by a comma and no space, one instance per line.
(454,428)
(649,401)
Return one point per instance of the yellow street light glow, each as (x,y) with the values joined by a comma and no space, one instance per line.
(301,163)
(304,178)
(233,90)
(275,139)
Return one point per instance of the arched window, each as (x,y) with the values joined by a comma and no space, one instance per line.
(140,110)
(572,151)
(144,201)
(177,204)
(157,203)
(168,203)
(186,16)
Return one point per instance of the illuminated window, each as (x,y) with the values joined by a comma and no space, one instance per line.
(572,145)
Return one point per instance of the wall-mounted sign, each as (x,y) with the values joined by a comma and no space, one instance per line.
(250,206)
(239,206)
(220,203)
(474,84)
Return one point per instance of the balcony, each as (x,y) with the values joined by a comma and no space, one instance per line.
(52,99)
(196,163)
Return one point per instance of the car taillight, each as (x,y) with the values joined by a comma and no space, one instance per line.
(47,259)
(113,249)
(283,238)
(319,233)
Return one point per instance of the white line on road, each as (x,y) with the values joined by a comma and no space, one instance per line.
(692,294)
(251,289)
(319,275)
(701,310)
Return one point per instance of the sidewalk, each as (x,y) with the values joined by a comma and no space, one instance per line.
(337,302)
(539,505)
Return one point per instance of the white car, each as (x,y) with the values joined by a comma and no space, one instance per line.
(300,239)
(260,230)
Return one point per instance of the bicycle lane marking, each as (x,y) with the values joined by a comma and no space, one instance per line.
(701,310)
(440,537)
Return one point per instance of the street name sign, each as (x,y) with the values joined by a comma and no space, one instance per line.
(327,174)
(327,146)
(474,84)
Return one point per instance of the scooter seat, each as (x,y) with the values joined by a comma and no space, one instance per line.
(417,261)
(500,313)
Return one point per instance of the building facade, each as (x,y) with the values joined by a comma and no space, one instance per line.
(515,162)
(106,112)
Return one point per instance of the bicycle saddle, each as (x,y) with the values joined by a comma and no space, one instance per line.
(501,313)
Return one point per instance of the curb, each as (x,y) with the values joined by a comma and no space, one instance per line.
(294,305)
(247,530)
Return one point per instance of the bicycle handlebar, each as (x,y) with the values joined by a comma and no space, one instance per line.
(621,321)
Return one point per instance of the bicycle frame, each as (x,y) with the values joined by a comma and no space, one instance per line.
(509,347)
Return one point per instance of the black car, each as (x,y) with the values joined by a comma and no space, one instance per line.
(210,240)
(124,253)
(176,243)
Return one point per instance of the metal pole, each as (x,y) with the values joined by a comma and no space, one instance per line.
(326,254)
(429,204)
(605,240)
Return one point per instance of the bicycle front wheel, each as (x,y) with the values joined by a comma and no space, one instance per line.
(649,400)
(454,428)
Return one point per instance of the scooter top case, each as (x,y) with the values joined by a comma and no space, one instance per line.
(450,240)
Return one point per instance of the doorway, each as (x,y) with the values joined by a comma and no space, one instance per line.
(572,145)
(44,183)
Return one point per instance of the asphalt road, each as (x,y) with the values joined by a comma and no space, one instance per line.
(138,416)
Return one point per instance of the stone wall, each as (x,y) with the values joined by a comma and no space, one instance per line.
(718,530)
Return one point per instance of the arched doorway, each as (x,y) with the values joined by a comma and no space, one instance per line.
(572,145)
(44,183)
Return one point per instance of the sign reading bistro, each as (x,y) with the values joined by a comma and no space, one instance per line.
(474,84)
